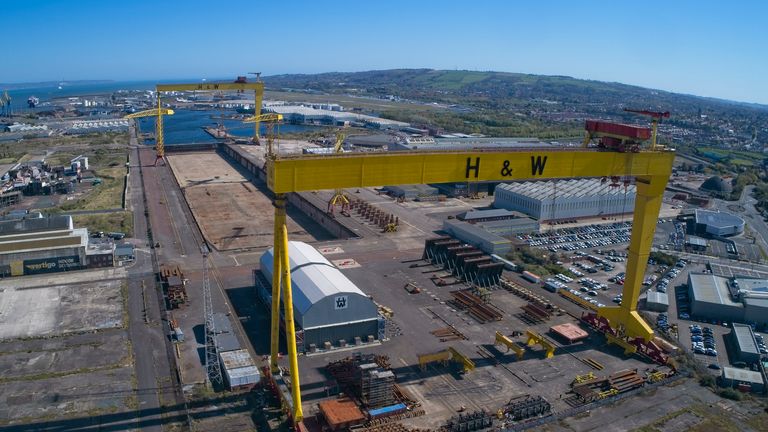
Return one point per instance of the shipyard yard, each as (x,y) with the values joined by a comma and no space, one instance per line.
(417,307)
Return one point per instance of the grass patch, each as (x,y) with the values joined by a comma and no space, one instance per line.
(110,168)
(107,222)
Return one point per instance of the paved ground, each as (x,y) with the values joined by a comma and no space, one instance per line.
(383,274)
(65,356)
(50,306)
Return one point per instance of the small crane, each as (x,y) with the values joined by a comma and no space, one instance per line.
(338,197)
(656,117)
(270,120)
(158,112)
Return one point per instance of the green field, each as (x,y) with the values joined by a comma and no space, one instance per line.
(110,167)
(107,222)
(735,157)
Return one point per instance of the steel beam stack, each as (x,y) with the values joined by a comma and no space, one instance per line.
(525,407)
(469,422)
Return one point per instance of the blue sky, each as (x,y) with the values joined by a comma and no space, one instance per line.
(707,48)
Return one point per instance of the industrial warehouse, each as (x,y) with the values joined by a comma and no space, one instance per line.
(742,300)
(41,245)
(717,223)
(32,244)
(490,230)
(330,310)
(566,199)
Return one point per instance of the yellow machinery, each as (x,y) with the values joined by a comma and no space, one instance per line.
(656,376)
(535,338)
(576,299)
(608,393)
(510,344)
(651,170)
(338,197)
(583,378)
(271,120)
(158,112)
(444,356)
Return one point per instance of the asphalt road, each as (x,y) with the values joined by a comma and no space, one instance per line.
(155,372)
(750,214)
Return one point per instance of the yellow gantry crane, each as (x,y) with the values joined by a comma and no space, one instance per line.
(270,120)
(158,112)
(338,197)
(240,85)
(651,169)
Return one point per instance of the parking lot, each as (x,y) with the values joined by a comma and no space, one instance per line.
(575,238)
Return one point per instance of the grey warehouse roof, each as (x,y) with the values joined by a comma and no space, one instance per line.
(477,232)
(314,275)
(696,241)
(482,214)
(745,339)
(711,289)
(657,298)
(717,219)
(566,188)
(24,226)
(736,374)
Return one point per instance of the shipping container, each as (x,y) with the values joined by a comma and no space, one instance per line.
(239,368)
(242,377)
(387,411)
(551,287)
(531,277)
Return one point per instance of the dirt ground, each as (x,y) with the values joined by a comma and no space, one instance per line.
(232,212)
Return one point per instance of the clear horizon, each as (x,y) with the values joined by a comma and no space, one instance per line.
(702,48)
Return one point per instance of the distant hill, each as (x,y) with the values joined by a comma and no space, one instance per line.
(497,88)
(546,99)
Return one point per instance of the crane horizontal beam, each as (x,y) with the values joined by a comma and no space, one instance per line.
(258,86)
(268,117)
(317,172)
(149,113)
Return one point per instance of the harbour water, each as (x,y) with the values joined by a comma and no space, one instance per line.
(185,126)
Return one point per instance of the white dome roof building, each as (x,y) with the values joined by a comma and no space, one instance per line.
(327,306)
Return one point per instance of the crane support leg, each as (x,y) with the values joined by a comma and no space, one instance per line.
(276,277)
(290,329)
(159,139)
(647,205)
(257,98)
